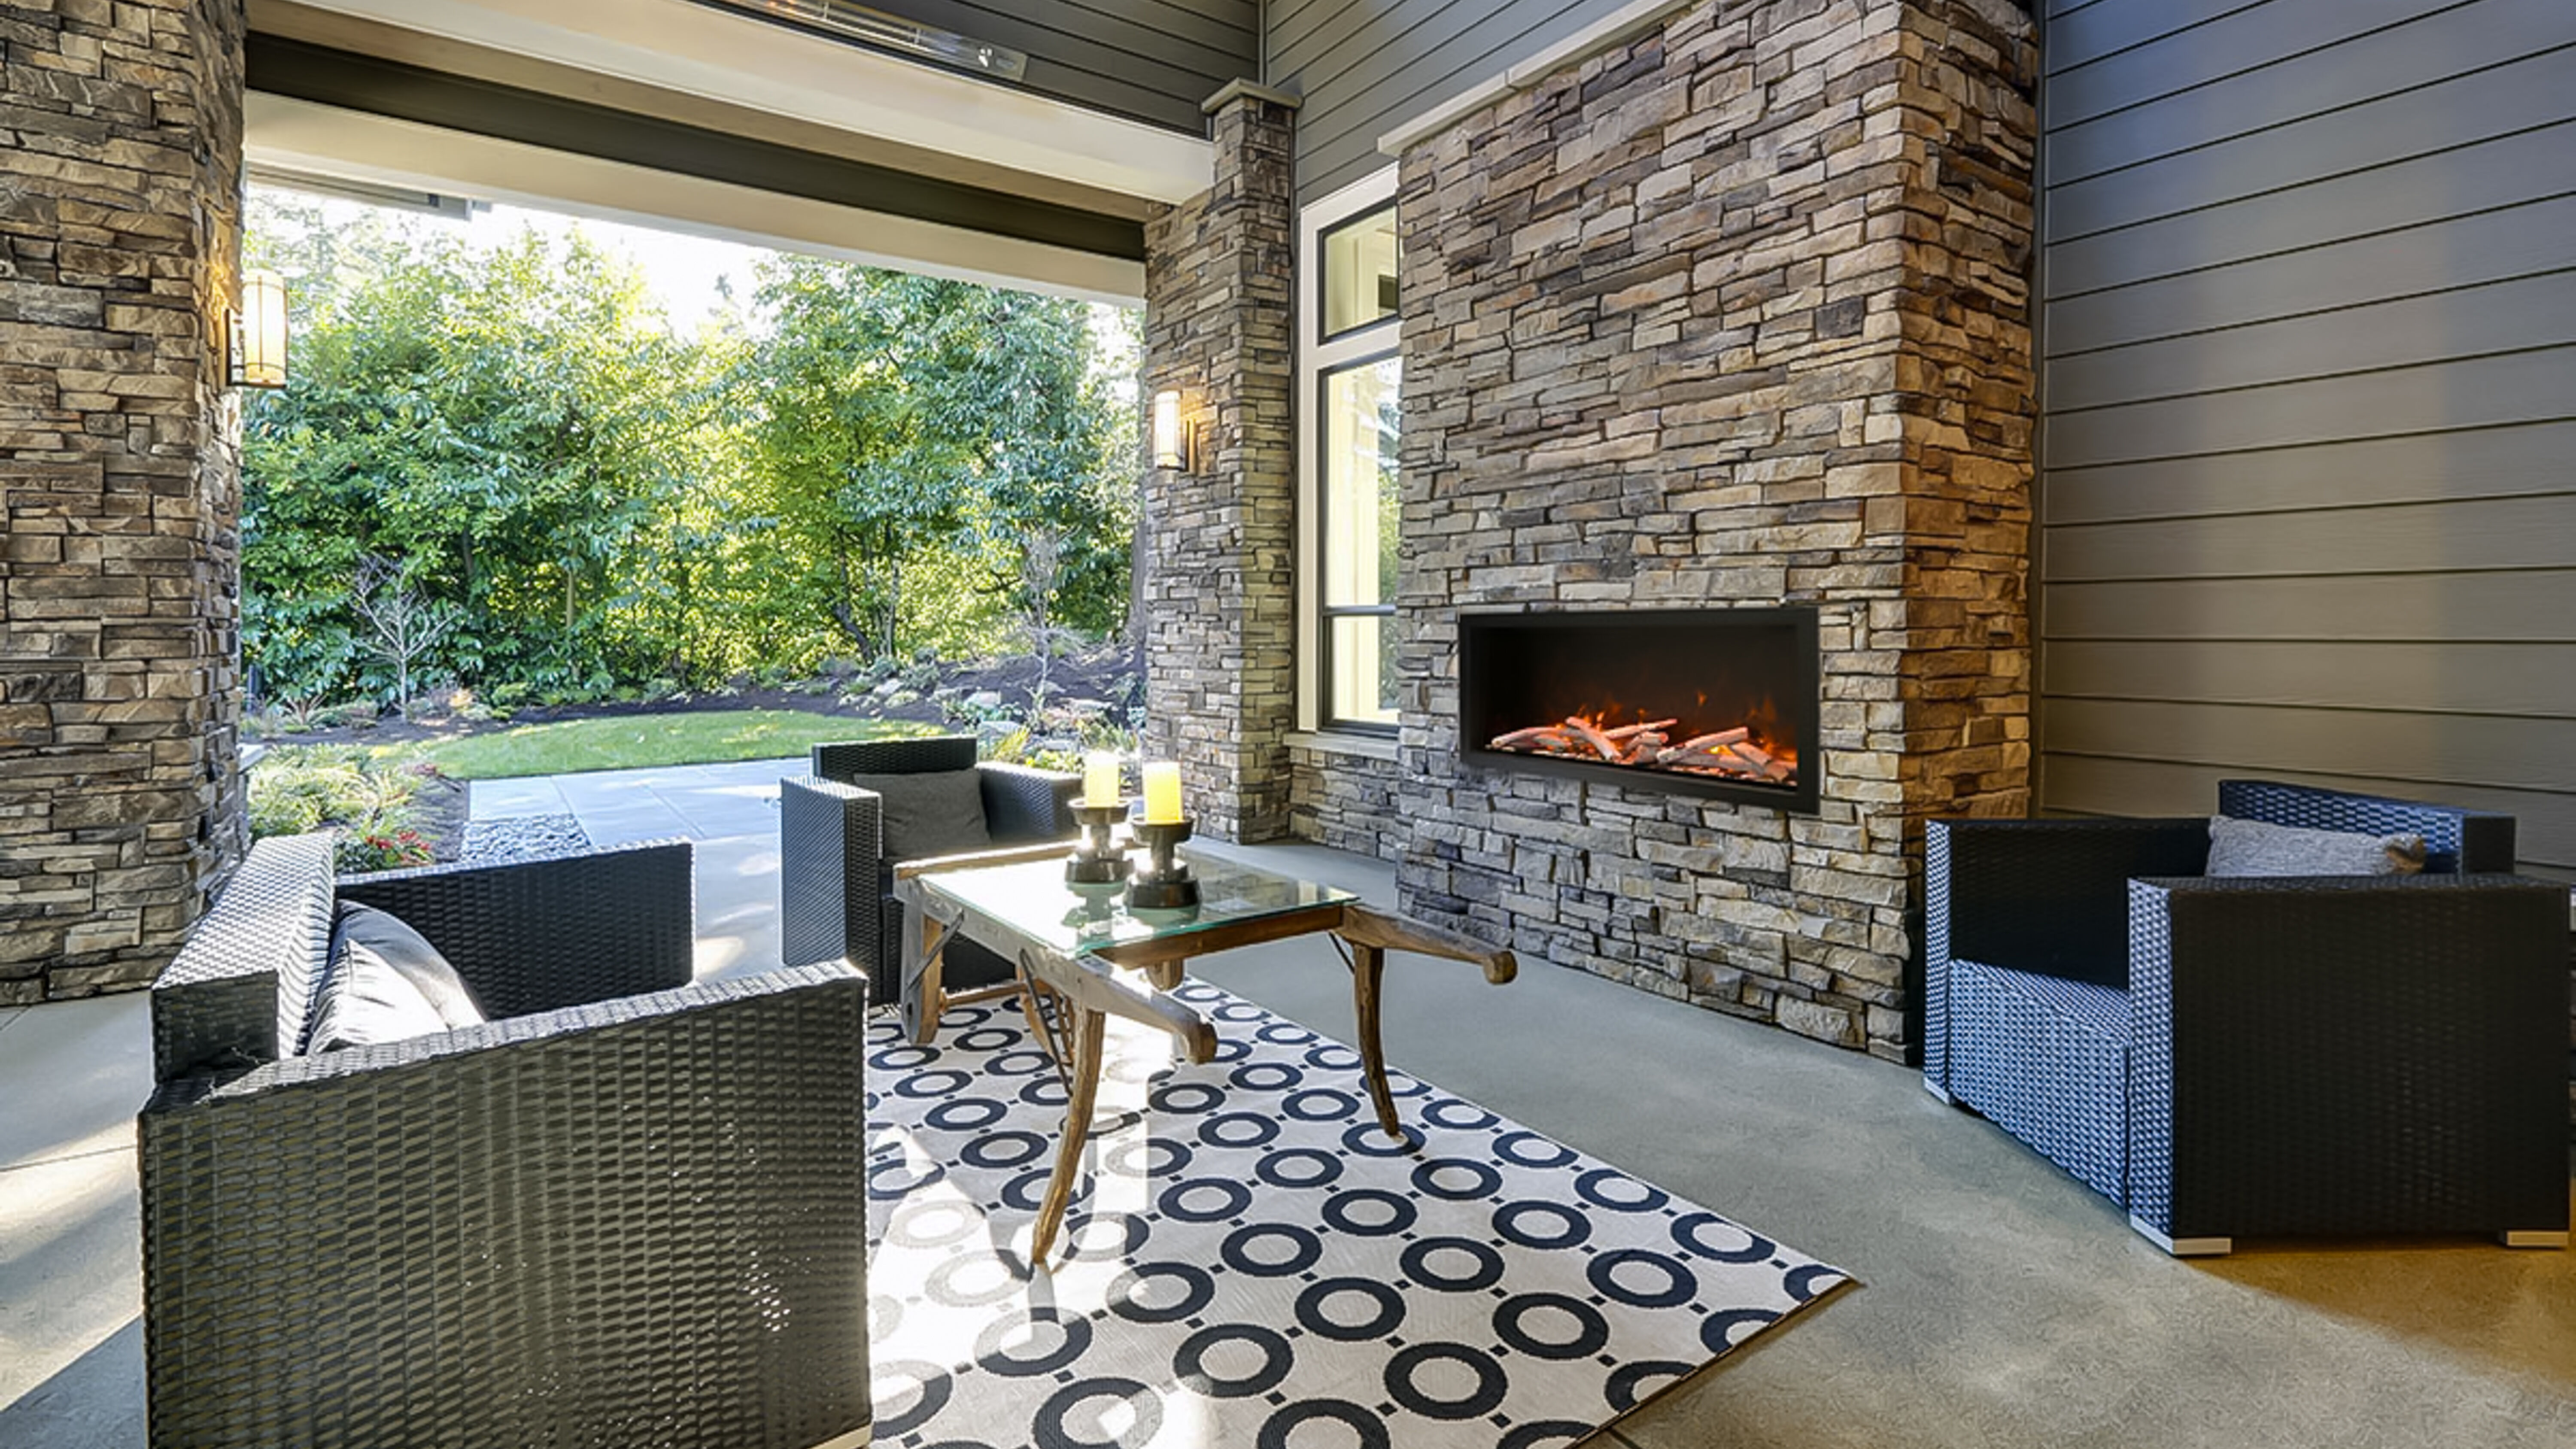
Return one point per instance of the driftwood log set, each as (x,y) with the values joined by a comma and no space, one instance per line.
(1728,753)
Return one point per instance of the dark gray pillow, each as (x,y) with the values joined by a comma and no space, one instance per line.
(2257,848)
(936,812)
(385,983)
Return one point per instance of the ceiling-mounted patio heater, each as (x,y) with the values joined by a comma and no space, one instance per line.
(874,28)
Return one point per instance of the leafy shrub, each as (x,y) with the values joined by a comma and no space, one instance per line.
(380,850)
(365,799)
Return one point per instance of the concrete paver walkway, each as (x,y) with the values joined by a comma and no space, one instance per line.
(618,807)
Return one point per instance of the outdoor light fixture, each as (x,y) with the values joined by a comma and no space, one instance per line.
(259,331)
(1172,436)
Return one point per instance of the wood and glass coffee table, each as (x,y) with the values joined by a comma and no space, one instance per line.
(1084,959)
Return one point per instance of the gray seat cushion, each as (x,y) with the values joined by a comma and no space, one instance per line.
(936,812)
(2258,848)
(384,984)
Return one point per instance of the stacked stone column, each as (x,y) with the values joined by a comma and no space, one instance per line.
(1219,591)
(1730,313)
(120,206)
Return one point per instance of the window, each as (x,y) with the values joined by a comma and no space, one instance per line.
(1352,377)
(1356,521)
(1359,272)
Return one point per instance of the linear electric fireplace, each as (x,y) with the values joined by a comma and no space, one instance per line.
(1717,702)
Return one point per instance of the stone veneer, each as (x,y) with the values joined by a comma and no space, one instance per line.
(120,206)
(1219,592)
(1733,312)
(1349,796)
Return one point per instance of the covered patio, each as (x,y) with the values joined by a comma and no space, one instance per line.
(1649,488)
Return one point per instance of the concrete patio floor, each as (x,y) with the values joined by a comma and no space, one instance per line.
(2002,1303)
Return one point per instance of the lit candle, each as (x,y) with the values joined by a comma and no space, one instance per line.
(1162,793)
(1100,778)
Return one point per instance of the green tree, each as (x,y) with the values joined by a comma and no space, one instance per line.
(946,452)
(508,429)
(514,441)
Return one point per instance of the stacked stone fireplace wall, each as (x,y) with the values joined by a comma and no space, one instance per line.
(120,196)
(1731,313)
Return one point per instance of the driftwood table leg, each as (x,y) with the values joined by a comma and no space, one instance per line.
(1368,971)
(1082,1089)
(1370,935)
(926,941)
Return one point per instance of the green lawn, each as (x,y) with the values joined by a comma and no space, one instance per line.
(629,741)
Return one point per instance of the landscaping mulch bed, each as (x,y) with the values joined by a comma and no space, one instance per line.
(1107,674)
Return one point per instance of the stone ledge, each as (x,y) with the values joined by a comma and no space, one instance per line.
(1340,742)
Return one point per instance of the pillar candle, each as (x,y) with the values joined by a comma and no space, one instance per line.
(1100,779)
(1162,793)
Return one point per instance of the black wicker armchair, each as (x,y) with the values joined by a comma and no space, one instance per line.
(628,1209)
(836,868)
(2259,1057)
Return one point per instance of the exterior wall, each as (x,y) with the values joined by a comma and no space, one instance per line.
(1366,66)
(1349,800)
(1151,60)
(1731,312)
(1219,594)
(2307,507)
(120,191)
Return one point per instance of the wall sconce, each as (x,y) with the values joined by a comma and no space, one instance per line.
(259,331)
(1175,440)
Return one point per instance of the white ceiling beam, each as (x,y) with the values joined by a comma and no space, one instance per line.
(744,61)
(297,135)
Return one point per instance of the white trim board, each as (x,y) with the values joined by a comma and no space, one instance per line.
(1315,357)
(305,136)
(745,61)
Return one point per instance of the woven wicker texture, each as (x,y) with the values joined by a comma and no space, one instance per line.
(823,827)
(2302,1055)
(853,905)
(1023,806)
(2342,1056)
(559,931)
(2456,842)
(2051,1069)
(241,985)
(636,1221)
(892,757)
(2049,897)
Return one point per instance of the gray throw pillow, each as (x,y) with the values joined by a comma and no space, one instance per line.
(936,812)
(2256,848)
(385,983)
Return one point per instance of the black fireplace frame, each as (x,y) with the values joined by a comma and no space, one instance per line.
(1478,629)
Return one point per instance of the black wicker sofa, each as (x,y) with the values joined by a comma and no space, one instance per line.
(625,1209)
(2241,1057)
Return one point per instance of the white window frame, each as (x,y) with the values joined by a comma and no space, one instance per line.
(1316,358)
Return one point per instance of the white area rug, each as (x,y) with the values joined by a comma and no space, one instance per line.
(1255,1265)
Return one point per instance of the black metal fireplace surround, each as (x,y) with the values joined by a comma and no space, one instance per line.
(1715,702)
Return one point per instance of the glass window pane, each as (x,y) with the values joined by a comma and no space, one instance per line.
(1359,272)
(1362,427)
(1363,656)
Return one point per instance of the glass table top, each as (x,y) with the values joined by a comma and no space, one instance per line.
(1032,899)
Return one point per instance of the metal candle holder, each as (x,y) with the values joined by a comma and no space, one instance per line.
(1165,884)
(1096,862)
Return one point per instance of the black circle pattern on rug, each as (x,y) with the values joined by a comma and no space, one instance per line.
(1251,1259)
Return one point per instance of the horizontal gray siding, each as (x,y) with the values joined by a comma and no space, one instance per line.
(1364,67)
(1148,60)
(2308,489)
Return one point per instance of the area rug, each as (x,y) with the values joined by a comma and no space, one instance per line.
(1254,1263)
